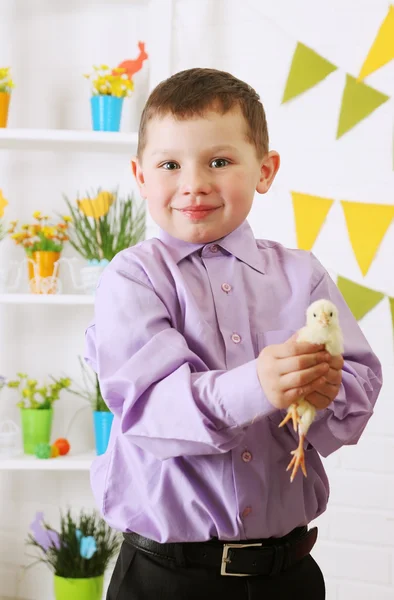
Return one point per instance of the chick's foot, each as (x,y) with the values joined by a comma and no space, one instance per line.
(291,414)
(298,459)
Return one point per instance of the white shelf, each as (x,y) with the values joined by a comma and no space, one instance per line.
(79,462)
(67,139)
(65,299)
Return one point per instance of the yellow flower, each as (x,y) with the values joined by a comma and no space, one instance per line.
(67,219)
(48,231)
(37,214)
(96,207)
(3,203)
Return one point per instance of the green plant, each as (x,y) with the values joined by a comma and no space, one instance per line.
(90,390)
(41,235)
(82,548)
(2,230)
(29,390)
(104,224)
(110,82)
(6,83)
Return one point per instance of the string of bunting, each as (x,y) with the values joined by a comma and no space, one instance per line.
(366,223)
(359,100)
(360,299)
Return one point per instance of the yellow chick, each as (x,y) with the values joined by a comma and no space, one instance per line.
(322,327)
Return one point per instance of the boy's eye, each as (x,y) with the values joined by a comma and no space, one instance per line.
(170,166)
(219,163)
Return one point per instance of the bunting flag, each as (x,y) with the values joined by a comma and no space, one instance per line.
(367,225)
(3,203)
(391,302)
(307,70)
(310,212)
(360,299)
(358,101)
(382,49)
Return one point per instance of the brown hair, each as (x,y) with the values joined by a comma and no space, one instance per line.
(190,93)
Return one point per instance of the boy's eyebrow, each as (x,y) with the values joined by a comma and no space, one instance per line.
(213,150)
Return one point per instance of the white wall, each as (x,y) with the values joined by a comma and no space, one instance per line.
(49,45)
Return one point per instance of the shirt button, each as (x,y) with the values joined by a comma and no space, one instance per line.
(246,512)
(236,338)
(214,248)
(226,287)
(246,456)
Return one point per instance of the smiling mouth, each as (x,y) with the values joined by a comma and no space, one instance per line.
(197,212)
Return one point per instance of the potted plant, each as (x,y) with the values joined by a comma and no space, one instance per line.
(78,554)
(3,204)
(43,242)
(103,224)
(102,416)
(36,408)
(108,87)
(6,85)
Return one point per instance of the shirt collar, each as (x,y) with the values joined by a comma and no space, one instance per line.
(241,243)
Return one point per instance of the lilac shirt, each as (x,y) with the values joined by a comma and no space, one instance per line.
(195,450)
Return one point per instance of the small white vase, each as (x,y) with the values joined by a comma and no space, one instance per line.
(91,274)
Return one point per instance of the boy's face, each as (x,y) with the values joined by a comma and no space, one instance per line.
(199,175)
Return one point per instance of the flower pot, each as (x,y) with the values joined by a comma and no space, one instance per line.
(102,429)
(43,272)
(4,106)
(90,588)
(91,274)
(36,427)
(106,112)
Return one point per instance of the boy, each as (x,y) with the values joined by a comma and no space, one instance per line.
(194,344)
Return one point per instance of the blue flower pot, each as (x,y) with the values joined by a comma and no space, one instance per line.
(102,429)
(106,112)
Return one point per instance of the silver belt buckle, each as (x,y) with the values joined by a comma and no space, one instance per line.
(226,560)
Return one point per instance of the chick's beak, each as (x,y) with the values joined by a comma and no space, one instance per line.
(323,319)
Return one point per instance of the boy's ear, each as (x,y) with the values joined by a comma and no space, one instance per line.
(269,168)
(139,176)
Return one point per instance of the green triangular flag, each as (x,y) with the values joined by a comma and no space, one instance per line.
(391,301)
(307,70)
(360,299)
(358,101)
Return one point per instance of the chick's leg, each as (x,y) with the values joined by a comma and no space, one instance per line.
(291,414)
(298,459)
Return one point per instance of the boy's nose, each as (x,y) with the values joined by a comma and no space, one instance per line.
(195,182)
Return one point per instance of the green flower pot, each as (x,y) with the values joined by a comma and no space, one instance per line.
(36,427)
(79,589)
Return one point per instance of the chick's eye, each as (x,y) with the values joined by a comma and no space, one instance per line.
(330,314)
(219,163)
(170,166)
(314,314)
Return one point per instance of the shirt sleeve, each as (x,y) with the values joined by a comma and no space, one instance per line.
(343,422)
(167,400)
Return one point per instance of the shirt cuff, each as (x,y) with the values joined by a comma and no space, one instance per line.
(242,396)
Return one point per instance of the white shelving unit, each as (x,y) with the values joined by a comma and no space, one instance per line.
(78,462)
(67,140)
(47,299)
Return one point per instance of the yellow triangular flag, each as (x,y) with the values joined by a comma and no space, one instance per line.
(382,49)
(359,299)
(367,225)
(310,212)
(307,70)
(3,203)
(359,100)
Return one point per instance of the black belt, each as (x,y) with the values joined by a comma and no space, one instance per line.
(252,557)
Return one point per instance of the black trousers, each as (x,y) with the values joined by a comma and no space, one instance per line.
(139,576)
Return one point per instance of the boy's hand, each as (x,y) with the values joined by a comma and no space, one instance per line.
(293,370)
(326,392)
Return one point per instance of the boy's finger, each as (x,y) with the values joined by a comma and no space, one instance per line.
(336,362)
(300,379)
(294,348)
(301,362)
